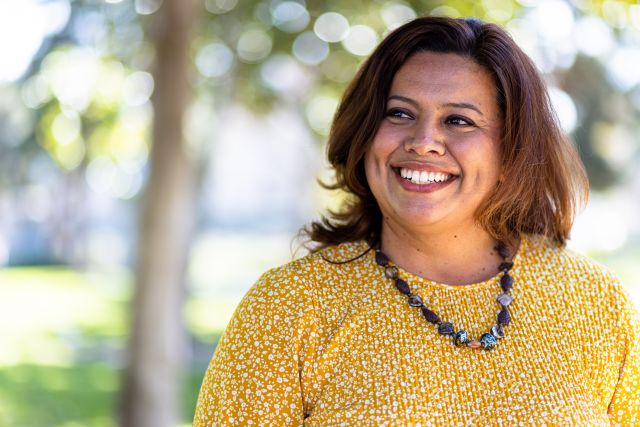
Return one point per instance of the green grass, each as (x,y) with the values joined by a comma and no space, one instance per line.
(62,337)
(41,395)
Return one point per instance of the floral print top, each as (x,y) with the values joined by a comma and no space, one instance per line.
(318,344)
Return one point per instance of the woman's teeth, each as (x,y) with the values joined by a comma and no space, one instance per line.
(423,177)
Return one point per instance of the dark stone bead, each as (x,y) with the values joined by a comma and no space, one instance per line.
(461,338)
(402,286)
(497,331)
(502,249)
(430,315)
(503,317)
(506,282)
(504,300)
(488,341)
(446,328)
(381,259)
(505,266)
(391,272)
(415,301)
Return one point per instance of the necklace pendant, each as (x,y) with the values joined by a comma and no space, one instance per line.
(391,272)
(474,344)
(497,331)
(415,301)
(488,341)
(504,300)
(461,338)
(381,259)
(446,328)
(430,315)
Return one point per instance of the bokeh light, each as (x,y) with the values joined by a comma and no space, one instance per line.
(445,10)
(331,27)
(361,41)
(147,7)
(23,26)
(220,6)
(624,68)
(309,49)
(593,36)
(138,87)
(66,127)
(254,45)
(320,111)
(290,16)
(284,74)
(396,14)
(72,75)
(564,108)
(214,60)
(498,10)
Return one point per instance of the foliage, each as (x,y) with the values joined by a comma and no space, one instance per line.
(88,88)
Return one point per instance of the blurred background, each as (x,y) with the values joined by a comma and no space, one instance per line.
(156,156)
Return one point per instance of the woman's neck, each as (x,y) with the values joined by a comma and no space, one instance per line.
(460,257)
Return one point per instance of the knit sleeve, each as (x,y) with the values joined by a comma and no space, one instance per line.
(254,377)
(624,409)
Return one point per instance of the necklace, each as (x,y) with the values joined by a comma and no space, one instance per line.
(488,340)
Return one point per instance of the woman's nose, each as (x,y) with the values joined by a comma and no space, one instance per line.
(427,138)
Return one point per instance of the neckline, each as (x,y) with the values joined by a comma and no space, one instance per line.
(423,283)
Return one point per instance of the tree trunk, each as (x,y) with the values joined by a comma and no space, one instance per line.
(150,396)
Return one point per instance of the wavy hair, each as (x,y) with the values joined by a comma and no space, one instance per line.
(544,183)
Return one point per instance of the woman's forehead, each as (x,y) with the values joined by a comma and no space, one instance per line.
(444,78)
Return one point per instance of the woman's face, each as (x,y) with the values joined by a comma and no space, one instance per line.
(436,154)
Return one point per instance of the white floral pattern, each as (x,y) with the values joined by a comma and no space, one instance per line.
(317,344)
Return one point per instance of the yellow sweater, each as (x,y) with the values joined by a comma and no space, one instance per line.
(320,345)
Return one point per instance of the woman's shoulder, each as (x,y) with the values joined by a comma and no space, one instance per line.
(544,251)
(568,266)
(316,266)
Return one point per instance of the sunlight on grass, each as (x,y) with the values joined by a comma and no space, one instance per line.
(45,313)
(62,337)
(208,315)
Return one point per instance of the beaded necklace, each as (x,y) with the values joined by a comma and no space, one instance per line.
(488,340)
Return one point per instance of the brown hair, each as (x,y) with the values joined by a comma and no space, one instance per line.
(544,180)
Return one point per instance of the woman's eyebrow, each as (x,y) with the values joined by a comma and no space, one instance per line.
(464,105)
(404,99)
(449,104)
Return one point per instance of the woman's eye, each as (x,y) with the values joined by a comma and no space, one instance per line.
(399,114)
(459,121)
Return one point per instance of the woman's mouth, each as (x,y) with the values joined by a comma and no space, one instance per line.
(423,177)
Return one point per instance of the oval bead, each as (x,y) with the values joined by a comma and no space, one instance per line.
(430,315)
(474,344)
(502,249)
(446,328)
(391,272)
(505,266)
(402,286)
(503,317)
(488,341)
(497,331)
(461,338)
(381,259)
(415,301)
(506,282)
(504,300)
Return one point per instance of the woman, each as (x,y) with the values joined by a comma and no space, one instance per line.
(441,295)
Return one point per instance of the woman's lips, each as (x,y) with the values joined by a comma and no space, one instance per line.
(422,180)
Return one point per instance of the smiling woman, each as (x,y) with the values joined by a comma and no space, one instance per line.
(442,293)
(443,122)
